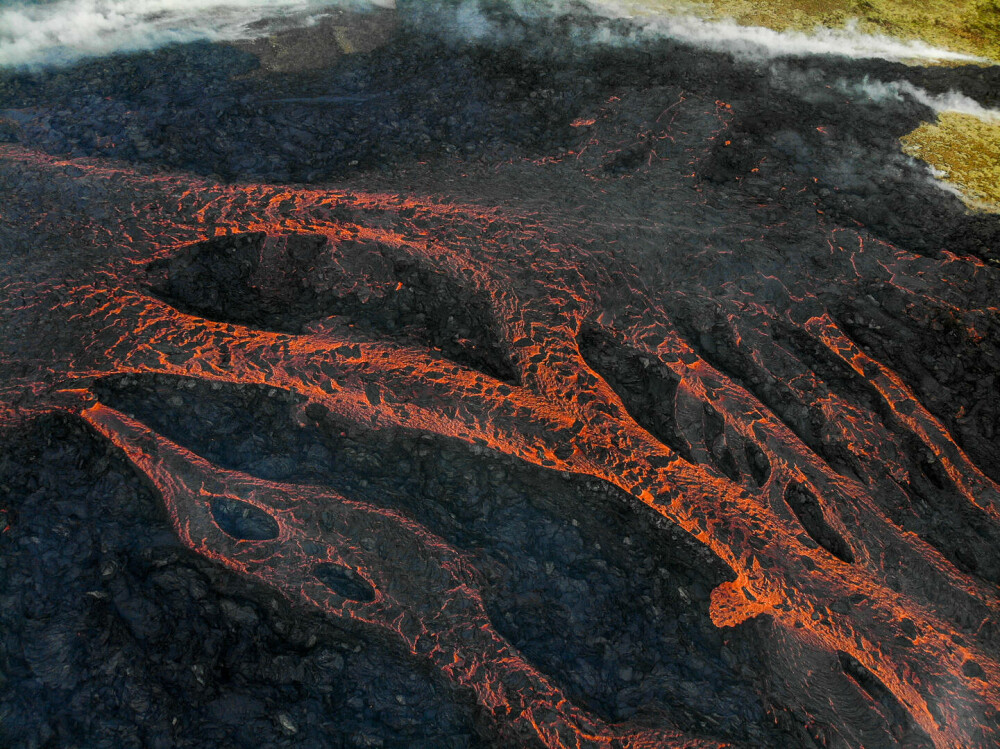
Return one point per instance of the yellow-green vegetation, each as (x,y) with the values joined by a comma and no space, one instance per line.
(967,151)
(967,26)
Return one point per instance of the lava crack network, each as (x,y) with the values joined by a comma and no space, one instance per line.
(557,379)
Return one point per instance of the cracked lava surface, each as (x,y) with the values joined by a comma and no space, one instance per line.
(760,413)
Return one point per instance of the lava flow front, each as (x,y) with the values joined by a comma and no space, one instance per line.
(741,377)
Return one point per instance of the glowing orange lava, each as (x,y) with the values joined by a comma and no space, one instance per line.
(836,595)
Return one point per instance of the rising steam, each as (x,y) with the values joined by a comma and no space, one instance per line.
(952,101)
(64,31)
(762,43)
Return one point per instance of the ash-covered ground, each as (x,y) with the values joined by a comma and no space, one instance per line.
(738,200)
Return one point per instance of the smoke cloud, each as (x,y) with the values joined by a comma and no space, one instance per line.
(952,101)
(763,43)
(760,42)
(64,31)
(467,19)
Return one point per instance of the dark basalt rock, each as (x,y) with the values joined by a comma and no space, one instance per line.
(243,521)
(561,585)
(196,108)
(292,282)
(185,653)
(345,582)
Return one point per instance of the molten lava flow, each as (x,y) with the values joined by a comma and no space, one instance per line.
(749,414)
(353,560)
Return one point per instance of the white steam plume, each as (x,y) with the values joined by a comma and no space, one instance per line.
(63,31)
(66,30)
(465,19)
(759,42)
(952,101)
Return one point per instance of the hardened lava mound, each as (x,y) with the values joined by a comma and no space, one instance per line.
(643,398)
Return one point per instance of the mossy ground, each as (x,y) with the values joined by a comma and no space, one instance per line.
(967,150)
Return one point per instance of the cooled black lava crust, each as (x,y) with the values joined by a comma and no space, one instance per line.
(113,635)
